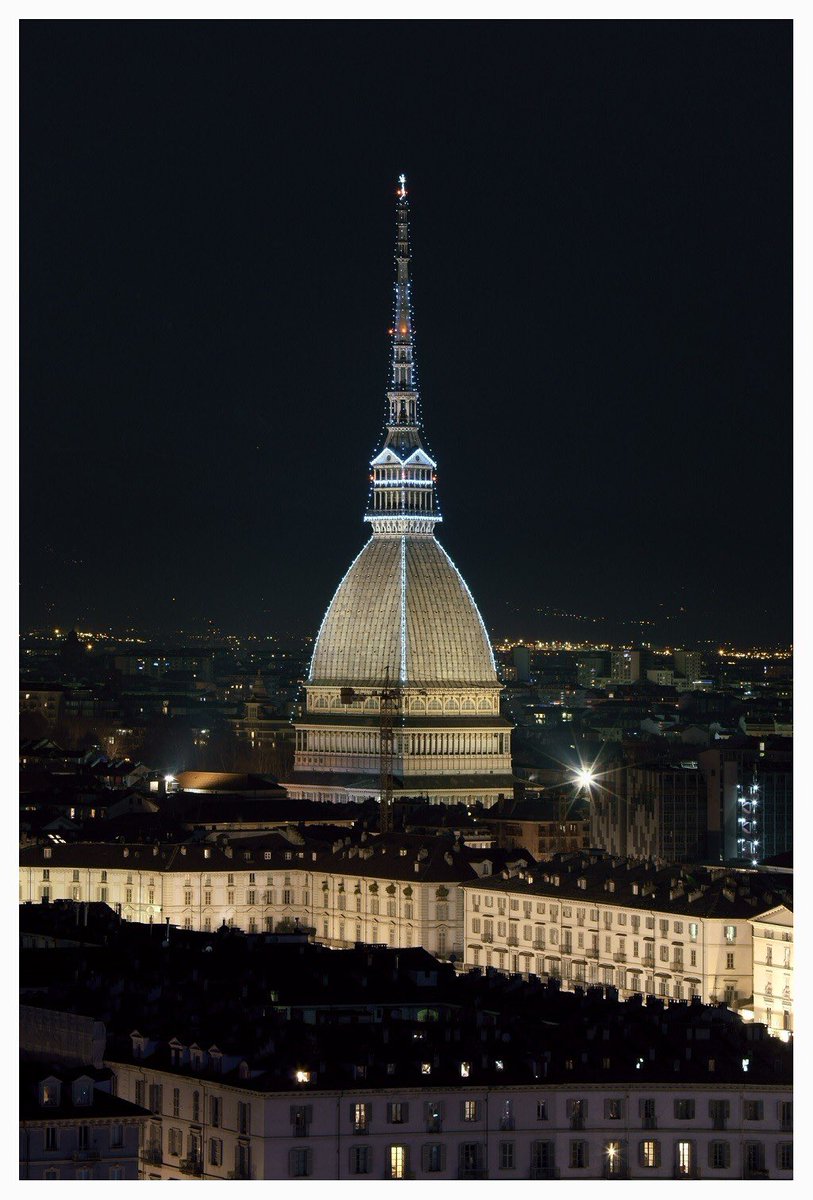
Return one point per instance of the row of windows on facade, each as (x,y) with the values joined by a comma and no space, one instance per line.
(471,1157)
(539,936)
(397,1112)
(83,1173)
(664,925)
(115,1137)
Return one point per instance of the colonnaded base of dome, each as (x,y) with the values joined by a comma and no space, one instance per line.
(437,789)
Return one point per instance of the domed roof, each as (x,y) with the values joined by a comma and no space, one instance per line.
(404,605)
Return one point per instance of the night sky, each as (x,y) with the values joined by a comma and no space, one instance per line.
(601,225)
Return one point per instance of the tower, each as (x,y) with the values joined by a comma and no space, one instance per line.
(402,613)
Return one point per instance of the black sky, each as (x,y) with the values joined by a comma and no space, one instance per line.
(601,220)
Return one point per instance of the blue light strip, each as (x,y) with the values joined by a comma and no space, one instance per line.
(403,612)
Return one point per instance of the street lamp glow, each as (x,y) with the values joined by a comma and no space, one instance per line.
(585,776)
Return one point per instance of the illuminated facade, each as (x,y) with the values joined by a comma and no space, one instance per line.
(403,614)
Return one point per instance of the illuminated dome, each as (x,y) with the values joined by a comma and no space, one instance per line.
(403,605)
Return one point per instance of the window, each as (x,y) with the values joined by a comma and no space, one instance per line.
(471,1110)
(684,1110)
(577,1112)
(397,1113)
(786,1114)
(469,1159)
(49,1094)
(299,1163)
(51,1137)
(752,1110)
(301,1119)
(434,1116)
(542,1157)
(578,1154)
(507,1115)
(613,1109)
(729,962)
(684,1158)
(243,1118)
(433,1158)
(397,1162)
(361,1160)
(650,1153)
(140,1090)
(176,1102)
(507,1156)
(214,1111)
(83,1136)
(719,1111)
(784,1156)
(754,1158)
(195,1105)
(719,1155)
(175,1143)
(614,1158)
(116,1137)
(242,1160)
(216,1152)
(360,1115)
(542,1110)
(730,933)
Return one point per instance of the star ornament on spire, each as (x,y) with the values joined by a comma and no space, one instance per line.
(402,189)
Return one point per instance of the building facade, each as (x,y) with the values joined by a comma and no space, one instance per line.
(203,1129)
(592,920)
(396,891)
(772,934)
(403,620)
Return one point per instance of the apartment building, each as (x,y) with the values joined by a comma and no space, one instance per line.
(399,890)
(203,1129)
(592,919)
(772,935)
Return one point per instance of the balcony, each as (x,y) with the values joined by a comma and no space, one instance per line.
(620,957)
(577,1121)
(677,967)
(649,1122)
(591,952)
(513,940)
(488,937)
(190,1166)
(537,945)
(92,1156)
(544,1173)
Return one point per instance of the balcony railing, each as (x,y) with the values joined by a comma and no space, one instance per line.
(677,966)
(472,1173)
(544,1173)
(513,940)
(90,1156)
(537,945)
(577,1121)
(153,1156)
(620,957)
(488,937)
(591,952)
(190,1166)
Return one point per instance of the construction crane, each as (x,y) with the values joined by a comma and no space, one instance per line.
(390,700)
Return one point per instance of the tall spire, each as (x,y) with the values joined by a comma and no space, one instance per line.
(403,498)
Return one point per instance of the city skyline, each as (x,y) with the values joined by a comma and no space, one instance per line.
(603,297)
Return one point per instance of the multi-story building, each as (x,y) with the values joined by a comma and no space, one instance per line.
(399,890)
(271,1060)
(772,934)
(666,813)
(541,824)
(589,919)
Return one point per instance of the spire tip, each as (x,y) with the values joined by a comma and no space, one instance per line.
(402,189)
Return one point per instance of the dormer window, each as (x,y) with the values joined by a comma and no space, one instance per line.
(82,1091)
(50,1093)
